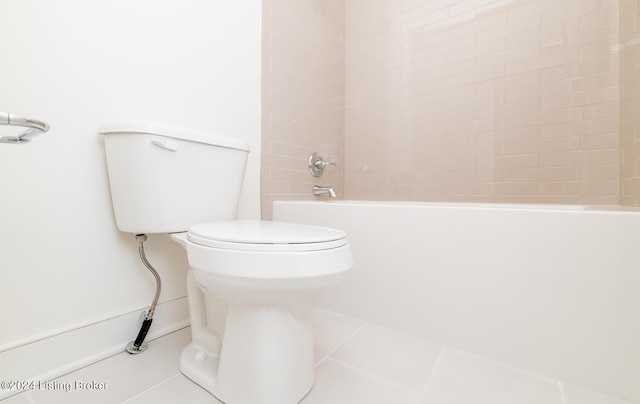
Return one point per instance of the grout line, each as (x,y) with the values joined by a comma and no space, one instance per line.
(430,378)
(563,397)
(373,376)
(150,388)
(342,343)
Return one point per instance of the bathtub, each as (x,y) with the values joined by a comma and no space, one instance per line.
(553,289)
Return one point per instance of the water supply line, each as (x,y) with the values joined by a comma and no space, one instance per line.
(138,345)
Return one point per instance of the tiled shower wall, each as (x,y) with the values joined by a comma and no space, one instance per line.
(474,100)
(629,103)
(482,100)
(302,97)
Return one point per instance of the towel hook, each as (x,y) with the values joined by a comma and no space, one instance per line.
(34,128)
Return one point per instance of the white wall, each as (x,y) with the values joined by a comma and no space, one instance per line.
(76,65)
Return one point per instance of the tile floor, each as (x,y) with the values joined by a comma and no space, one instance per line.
(357,363)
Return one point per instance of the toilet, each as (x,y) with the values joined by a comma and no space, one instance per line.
(251,284)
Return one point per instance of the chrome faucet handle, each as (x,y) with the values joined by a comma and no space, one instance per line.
(317,164)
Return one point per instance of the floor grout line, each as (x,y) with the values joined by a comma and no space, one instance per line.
(371,375)
(563,396)
(347,338)
(150,388)
(430,378)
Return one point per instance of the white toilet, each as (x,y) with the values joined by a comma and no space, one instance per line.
(251,284)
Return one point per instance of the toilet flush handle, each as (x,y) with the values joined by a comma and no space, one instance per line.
(166,144)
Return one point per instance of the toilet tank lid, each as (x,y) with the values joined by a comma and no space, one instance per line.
(176,132)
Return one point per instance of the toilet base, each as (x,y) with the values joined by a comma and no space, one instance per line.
(266,358)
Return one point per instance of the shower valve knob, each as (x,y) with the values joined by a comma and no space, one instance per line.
(317,164)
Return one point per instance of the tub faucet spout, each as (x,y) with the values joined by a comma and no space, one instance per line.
(319,190)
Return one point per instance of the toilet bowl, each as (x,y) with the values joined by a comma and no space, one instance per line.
(251,284)
(268,276)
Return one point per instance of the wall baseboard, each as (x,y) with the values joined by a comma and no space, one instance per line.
(60,354)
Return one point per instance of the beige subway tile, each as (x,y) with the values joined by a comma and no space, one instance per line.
(596,126)
(450,27)
(631,187)
(274,160)
(560,72)
(557,130)
(637,168)
(539,90)
(520,80)
(557,101)
(543,199)
(508,29)
(508,162)
(599,49)
(542,175)
(527,9)
(549,57)
(466,6)
(506,56)
(601,65)
(544,34)
(595,35)
(630,201)
(290,175)
(627,135)
(448,177)
(288,150)
(472,23)
(579,158)
(601,200)
(275,187)
(631,152)
(445,189)
(580,7)
(491,124)
(561,188)
(507,188)
(601,188)
(605,17)
(599,141)
(581,98)
(508,135)
(601,157)
(510,109)
(542,146)
(600,173)
(541,118)
(599,111)
(287,124)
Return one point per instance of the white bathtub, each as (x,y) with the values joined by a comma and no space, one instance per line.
(550,288)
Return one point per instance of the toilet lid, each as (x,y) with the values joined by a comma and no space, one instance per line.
(254,235)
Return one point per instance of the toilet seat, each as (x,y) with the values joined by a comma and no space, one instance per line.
(265,236)
(261,250)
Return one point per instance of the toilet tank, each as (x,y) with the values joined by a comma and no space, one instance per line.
(164,178)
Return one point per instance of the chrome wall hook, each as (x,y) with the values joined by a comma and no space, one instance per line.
(34,128)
